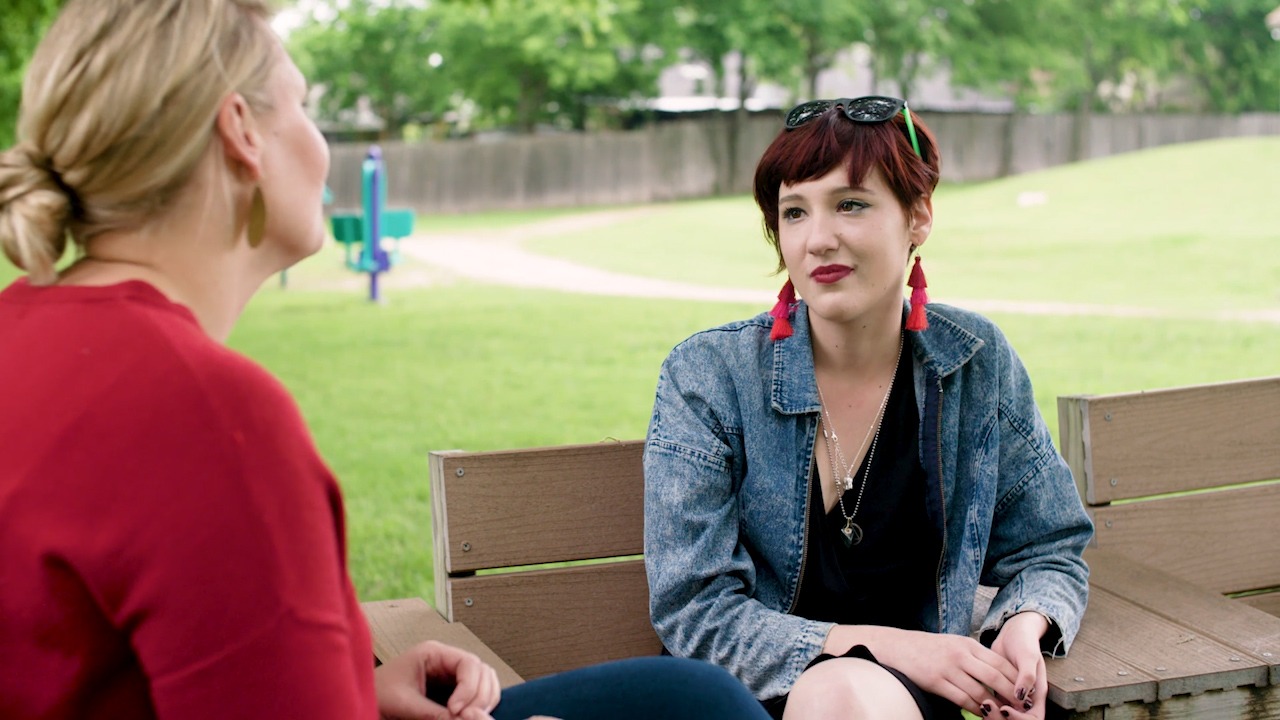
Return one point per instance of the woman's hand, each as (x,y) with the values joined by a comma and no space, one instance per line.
(1019,643)
(954,667)
(402,684)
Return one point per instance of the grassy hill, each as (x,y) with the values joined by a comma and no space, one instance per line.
(1189,228)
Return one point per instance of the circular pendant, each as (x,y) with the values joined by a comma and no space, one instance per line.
(851,533)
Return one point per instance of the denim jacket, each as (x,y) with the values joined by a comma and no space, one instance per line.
(727,465)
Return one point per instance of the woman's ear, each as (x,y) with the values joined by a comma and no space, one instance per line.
(241,141)
(920,220)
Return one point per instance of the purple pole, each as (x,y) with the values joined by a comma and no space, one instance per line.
(375,221)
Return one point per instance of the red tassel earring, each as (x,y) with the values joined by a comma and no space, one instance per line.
(781,312)
(917,320)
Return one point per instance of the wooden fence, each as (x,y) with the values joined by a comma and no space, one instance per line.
(691,158)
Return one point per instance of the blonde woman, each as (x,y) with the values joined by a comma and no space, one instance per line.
(172,543)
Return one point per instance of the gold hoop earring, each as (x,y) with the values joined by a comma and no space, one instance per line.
(257,218)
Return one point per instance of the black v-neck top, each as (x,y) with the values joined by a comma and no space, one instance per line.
(888,578)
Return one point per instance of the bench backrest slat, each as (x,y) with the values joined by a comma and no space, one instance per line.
(1227,541)
(1136,445)
(1161,473)
(548,621)
(523,507)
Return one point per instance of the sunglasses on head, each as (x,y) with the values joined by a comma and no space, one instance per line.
(866,109)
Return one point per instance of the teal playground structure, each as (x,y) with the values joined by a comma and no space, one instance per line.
(363,234)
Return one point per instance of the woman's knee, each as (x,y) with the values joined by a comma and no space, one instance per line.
(849,688)
(650,687)
(686,671)
(694,686)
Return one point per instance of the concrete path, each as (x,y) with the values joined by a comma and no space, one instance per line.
(499,258)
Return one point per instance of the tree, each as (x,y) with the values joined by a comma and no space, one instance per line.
(765,41)
(1001,46)
(379,53)
(525,62)
(819,30)
(1117,43)
(22,25)
(1230,54)
(574,63)
(1082,55)
(752,34)
(906,38)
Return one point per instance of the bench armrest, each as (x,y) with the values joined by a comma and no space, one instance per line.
(397,625)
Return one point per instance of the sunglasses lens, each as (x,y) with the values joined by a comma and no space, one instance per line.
(802,114)
(868,109)
(873,109)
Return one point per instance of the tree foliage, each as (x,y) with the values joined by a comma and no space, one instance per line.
(466,65)
(517,63)
(746,33)
(22,24)
(1000,46)
(377,53)
(527,62)
(1231,55)
(907,38)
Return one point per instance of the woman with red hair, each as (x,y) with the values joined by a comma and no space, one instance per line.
(827,484)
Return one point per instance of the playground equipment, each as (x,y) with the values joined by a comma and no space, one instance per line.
(376,223)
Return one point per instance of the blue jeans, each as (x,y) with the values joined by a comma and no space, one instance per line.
(636,689)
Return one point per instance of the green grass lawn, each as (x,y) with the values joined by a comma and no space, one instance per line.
(461,365)
(477,367)
(471,367)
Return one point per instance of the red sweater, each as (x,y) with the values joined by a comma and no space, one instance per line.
(171,543)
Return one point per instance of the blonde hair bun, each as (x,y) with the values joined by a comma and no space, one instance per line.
(35,208)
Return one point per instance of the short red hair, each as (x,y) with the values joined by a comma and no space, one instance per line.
(831,140)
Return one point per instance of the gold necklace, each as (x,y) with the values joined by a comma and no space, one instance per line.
(852,532)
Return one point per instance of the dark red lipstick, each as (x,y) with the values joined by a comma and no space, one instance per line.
(828,274)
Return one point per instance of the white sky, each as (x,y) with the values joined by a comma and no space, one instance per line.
(297,11)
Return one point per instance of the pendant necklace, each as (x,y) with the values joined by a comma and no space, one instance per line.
(842,474)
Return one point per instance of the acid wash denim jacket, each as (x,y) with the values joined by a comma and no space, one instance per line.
(727,464)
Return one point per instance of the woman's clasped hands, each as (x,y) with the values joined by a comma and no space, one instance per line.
(403,681)
(1007,680)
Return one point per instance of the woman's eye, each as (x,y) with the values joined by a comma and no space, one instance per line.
(791,213)
(850,206)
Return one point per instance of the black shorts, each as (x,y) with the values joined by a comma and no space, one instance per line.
(931,706)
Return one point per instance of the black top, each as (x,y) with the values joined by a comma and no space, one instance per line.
(889,577)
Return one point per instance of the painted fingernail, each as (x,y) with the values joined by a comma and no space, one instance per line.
(986,709)
(1004,713)
(1026,705)
(1022,693)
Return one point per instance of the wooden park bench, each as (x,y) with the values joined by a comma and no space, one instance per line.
(1159,640)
